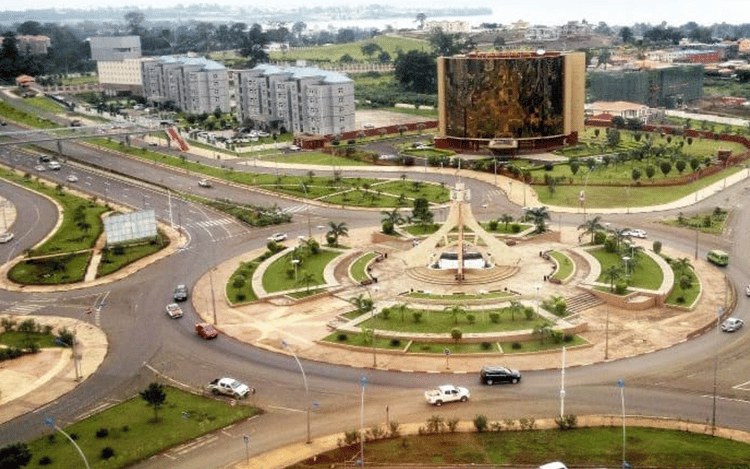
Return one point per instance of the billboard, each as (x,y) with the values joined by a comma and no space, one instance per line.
(131,226)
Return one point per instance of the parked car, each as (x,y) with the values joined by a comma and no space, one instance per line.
(204,183)
(498,374)
(72,178)
(181,293)
(174,311)
(446,393)
(205,330)
(278,237)
(6,237)
(294,148)
(732,324)
(229,387)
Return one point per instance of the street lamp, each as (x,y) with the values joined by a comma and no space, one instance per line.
(719,312)
(538,299)
(621,385)
(50,422)
(285,344)
(363,381)
(372,319)
(295,262)
(626,261)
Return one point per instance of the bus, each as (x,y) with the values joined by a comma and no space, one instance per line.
(718,257)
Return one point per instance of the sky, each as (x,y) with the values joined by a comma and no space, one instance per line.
(549,12)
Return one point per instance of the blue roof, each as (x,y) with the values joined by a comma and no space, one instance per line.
(304,72)
(203,62)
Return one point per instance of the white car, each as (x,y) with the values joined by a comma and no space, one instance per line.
(204,183)
(6,237)
(72,178)
(54,165)
(229,387)
(635,233)
(40,168)
(747,290)
(446,393)
(732,325)
(174,311)
(294,148)
(278,237)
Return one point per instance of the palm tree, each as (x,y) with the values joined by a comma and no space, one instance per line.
(394,217)
(401,308)
(505,218)
(336,230)
(538,215)
(613,273)
(542,331)
(362,303)
(681,265)
(307,279)
(454,311)
(592,226)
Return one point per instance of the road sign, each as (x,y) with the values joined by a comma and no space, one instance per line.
(246,438)
(50,422)
(620,383)
(446,352)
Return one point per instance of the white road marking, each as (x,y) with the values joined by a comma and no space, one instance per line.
(743,386)
(285,408)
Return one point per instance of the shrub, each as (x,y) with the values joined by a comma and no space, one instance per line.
(480,423)
(496,426)
(516,346)
(45,461)
(388,227)
(526,423)
(385,313)
(8,324)
(395,342)
(528,313)
(621,287)
(485,345)
(452,425)
(125,428)
(610,245)
(471,318)
(73,436)
(394,430)
(241,297)
(494,318)
(568,338)
(118,250)
(102,433)
(680,299)
(515,228)
(567,422)
(342,337)
(492,225)
(509,423)
(417,315)
(51,438)
(656,247)
(600,237)
(686,282)
(238,282)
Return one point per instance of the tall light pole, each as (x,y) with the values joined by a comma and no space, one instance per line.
(719,312)
(621,385)
(606,338)
(538,299)
(562,385)
(307,389)
(372,319)
(50,422)
(363,381)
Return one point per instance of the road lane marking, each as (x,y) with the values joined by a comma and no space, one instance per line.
(709,396)
(743,386)
(285,408)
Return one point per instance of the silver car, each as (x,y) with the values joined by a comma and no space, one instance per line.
(732,325)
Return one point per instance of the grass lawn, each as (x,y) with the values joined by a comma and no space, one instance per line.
(240,285)
(112,262)
(581,447)
(363,198)
(82,80)
(435,193)
(132,433)
(306,293)
(16,115)
(647,275)
(66,268)
(421,230)
(45,104)
(360,340)
(442,322)
(439,348)
(711,222)
(536,346)
(334,52)
(358,267)
(565,265)
(20,339)
(276,277)
(506,228)
(687,296)
(313,158)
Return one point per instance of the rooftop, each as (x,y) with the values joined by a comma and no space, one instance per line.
(304,72)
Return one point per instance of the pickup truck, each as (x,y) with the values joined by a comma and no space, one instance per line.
(446,393)
(229,387)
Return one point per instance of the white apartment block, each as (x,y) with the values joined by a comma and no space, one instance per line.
(118,63)
(299,99)
(193,84)
(449,27)
(542,33)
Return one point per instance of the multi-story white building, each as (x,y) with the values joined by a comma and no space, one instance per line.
(297,99)
(542,33)
(193,84)
(118,63)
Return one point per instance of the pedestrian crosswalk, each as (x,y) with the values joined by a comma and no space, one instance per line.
(22,308)
(217,222)
(294,209)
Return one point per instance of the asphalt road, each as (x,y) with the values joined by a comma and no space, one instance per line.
(674,382)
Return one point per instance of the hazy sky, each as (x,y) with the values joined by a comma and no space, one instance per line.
(534,11)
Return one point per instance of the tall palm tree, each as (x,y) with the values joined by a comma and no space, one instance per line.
(619,236)
(393,216)
(401,308)
(455,311)
(539,215)
(592,226)
(306,279)
(337,229)
(613,273)
(505,218)
(362,303)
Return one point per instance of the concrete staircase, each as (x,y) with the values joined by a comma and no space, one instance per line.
(582,301)
(471,277)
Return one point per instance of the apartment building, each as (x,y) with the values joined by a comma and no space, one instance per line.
(295,99)
(193,84)
(118,63)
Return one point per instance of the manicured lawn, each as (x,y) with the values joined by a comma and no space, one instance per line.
(334,52)
(45,104)
(565,265)
(460,347)
(435,193)
(421,230)
(362,198)
(360,340)
(688,295)
(711,222)
(240,285)
(358,267)
(535,345)
(277,279)
(20,339)
(12,114)
(313,158)
(442,321)
(503,228)
(581,447)
(112,262)
(647,275)
(306,293)
(82,80)
(133,435)
(66,268)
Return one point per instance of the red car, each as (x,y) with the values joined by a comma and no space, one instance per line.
(205,330)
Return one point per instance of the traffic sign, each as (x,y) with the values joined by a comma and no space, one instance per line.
(446,352)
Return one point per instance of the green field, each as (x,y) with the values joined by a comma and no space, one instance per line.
(334,52)
(112,261)
(686,296)
(565,265)
(646,275)
(276,277)
(240,285)
(132,433)
(53,270)
(313,158)
(358,267)
(12,114)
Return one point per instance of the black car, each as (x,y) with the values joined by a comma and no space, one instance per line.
(181,293)
(499,374)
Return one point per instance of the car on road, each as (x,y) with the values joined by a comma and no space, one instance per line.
(498,374)
(732,324)
(40,168)
(747,290)
(174,311)
(446,393)
(72,178)
(205,183)
(229,387)
(294,148)
(205,330)
(635,233)
(180,293)
(278,237)
(553,465)
(54,165)
(6,237)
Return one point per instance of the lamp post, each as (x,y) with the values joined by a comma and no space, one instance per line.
(719,312)
(562,385)
(621,385)
(538,299)
(50,422)
(363,381)
(372,319)
(606,338)
(307,389)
